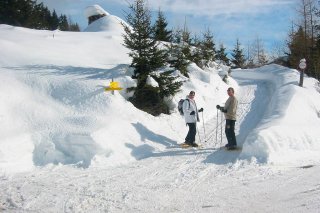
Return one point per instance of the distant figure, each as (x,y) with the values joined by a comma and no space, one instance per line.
(230,113)
(191,117)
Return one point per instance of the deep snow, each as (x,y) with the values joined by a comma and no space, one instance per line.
(66,145)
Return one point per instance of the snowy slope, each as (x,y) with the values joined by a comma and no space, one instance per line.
(67,117)
(66,145)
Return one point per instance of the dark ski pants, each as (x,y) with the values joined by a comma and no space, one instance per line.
(191,136)
(231,137)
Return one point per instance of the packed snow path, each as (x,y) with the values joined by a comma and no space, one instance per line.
(253,97)
(173,180)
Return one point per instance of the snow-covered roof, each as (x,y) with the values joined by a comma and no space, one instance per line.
(94,10)
(107,23)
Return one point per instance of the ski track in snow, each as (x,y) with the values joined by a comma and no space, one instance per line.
(172,180)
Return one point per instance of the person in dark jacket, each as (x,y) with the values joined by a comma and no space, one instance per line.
(230,113)
(191,117)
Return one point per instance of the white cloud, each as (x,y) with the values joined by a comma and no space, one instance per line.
(195,7)
(217,7)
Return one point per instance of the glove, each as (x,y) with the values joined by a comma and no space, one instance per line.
(223,110)
(200,110)
(192,113)
(218,106)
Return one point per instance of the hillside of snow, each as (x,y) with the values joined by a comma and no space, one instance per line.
(68,145)
(66,116)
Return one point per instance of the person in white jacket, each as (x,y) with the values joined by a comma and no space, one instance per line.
(191,117)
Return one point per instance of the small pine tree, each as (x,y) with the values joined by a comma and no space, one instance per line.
(262,58)
(196,55)
(296,47)
(186,43)
(208,47)
(63,23)
(238,56)
(179,52)
(222,55)
(177,59)
(160,29)
(168,84)
(176,36)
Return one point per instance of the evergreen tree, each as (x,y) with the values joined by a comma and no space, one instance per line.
(146,58)
(74,27)
(168,84)
(186,44)
(238,56)
(63,23)
(160,29)
(297,50)
(177,59)
(197,56)
(222,55)
(27,13)
(15,12)
(54,24)
(208,50)
(176,36)
(180,53)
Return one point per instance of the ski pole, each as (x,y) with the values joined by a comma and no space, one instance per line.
(199,135)
(221,129)
(217,128)
(204,129)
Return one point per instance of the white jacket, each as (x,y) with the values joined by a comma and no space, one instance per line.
(189,106)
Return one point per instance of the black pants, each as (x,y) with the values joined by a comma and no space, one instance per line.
(231,137)
(191,136)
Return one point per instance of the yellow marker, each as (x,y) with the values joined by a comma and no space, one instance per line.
(114,85)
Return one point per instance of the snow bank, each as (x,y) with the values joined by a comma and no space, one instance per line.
(289,130)
(55,110)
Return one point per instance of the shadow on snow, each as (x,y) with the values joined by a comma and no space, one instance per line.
(89,72)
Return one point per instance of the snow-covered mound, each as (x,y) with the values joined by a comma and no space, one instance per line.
(109,23)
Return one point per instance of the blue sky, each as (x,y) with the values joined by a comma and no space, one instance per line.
(270,20)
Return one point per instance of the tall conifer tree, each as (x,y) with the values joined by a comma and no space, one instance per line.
(160,28)
(146,58)
(238,56)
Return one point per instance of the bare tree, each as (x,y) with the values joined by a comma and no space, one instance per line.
(259,52)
